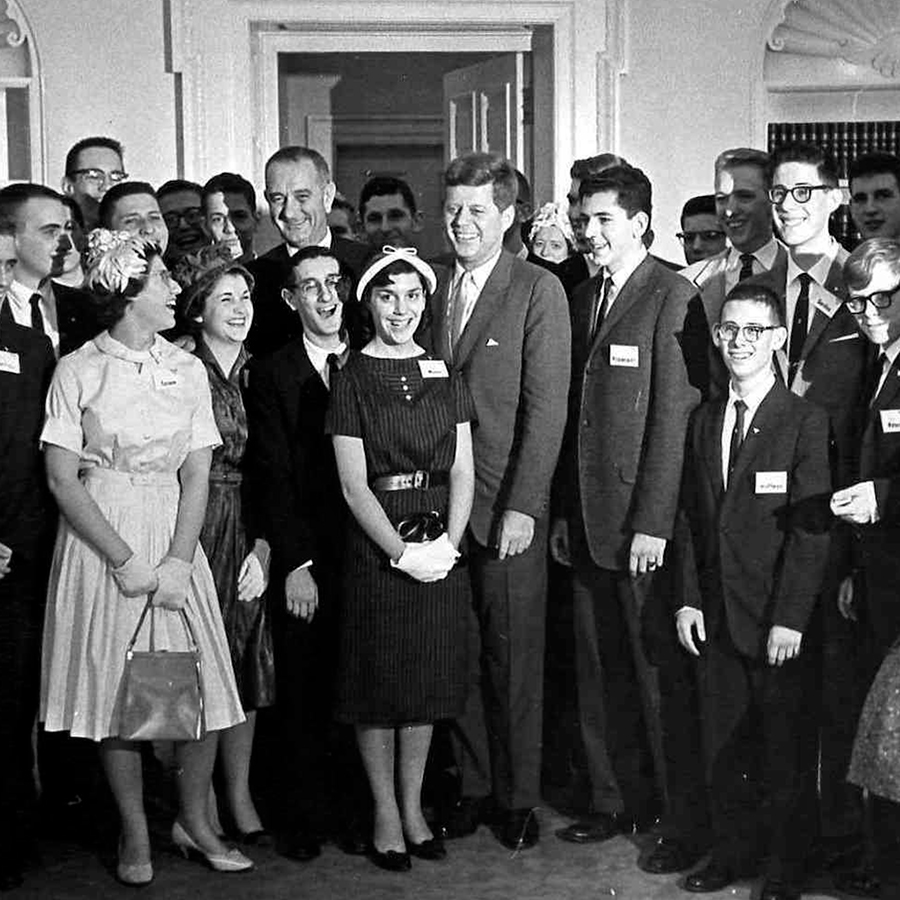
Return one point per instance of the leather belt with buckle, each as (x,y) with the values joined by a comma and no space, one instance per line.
(410,481)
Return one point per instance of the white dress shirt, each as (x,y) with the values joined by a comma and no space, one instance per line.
(763,260)
(318,356)
(752,398)
(479,275)
(817,292)
(19,298)
(621,276)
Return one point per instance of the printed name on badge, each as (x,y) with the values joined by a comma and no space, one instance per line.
(164,379)
(433,368)
(623,355)
(771,482)
(9,362)
(890,420)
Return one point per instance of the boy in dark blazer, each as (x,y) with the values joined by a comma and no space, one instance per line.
(752,553)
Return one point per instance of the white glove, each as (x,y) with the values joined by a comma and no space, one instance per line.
(135,576)
(428,561)
(174,582)
(251,578)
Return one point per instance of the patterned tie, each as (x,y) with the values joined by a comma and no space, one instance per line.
(37,320)
(600,301)
(799,326)
(746,266)
(462,297)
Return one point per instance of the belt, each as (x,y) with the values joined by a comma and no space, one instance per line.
(226,477)
(410,481)
(101,473)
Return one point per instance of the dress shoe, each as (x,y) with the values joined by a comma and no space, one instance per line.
(712,877)
(517,829)
(133,874)
(261,837)
(776,889)
(861,882)
(299,846)
(592,830)
(390,860)
(230,861)
(668,856)
(463,818)
(432,849)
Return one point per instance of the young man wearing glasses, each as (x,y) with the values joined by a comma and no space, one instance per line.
(752,563)
(93,166)
(701,234)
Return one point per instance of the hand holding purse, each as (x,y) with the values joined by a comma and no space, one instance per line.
(174,581)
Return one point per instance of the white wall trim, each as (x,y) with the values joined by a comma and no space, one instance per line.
(38,137)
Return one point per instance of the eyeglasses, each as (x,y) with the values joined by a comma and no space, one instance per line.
(728,331)
(880,300)
(310,289)
(801,193)
(192,216)
(688,237)
(98,177)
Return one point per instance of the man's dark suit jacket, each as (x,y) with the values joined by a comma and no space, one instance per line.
(514,354)
(76,317)
(751,559)
(620,468)
(274,322)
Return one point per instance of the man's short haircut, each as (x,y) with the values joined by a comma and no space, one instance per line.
(875,164)
(384,186)
(629,183)
(476,169)
(229,183)
(15,196)
(178,184)
(116,193)
(594,165)
(314,251)
(704,205)
(755,293)
(811,154)
(73,207)
(861,262)
(341,202)
(523,188)
(85,144)
(295,154)
(747,156)
(7,227)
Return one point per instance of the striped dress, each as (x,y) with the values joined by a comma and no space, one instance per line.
(403,643)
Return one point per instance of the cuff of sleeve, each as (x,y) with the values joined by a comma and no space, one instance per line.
(868,489)
(306,565)
(61,434)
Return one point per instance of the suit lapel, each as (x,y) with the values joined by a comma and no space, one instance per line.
(632,291)
(492,296)
(439,322)
(763,428)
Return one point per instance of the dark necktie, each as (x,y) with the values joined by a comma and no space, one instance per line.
(599,310)
(799,326)
(746,266)
(877,371)
(37,320)
(737,435)
(335,362)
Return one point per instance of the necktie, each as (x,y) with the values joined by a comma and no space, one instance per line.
(737,435)
(465,288)
(600,301)
(37,320)
(746,266)
(799,326)
(334,362)
(877,371)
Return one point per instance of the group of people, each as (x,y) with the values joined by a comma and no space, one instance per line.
(350,469)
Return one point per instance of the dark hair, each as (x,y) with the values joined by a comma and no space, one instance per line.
(630,184)
(7,228)
(192,301)
(476,169)
(229,183)
(383,186)
(755,293)
(875,164)
(812,154)
(860,263)
(594,165)
(14,196)
(84,144)
(747,156)
(704,205)
(341,202)
(296,154)
(178,184)
(314,251)
(75,209)
(116,193)
(363,321)
(110,306)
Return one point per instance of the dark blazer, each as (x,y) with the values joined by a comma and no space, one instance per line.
(752,560)
(75,314)
(274,322)
(27,511)
(514,354)
(298,499)
(620,468)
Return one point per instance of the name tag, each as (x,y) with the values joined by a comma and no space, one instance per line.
(771,482)
(165,379)
(9,362)
(890,420)
(827,305)
(433,368)
(623,355)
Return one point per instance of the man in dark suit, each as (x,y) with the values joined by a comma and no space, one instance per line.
(299,191)
(297,497)
(503,324)
(752,560)
(640,365)
(26,541)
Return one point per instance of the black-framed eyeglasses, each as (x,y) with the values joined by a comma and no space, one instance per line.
(310,289)
(688,237)
(801,192)
(192,216)
(99,177)
(878,299)
(728,331)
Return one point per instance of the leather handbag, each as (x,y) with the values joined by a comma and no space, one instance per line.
(161,691)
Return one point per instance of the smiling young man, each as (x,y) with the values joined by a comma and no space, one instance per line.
(132,206)
(230,214)
(875,195)
(752,566)
(387,210)
(93,166)
(701,232)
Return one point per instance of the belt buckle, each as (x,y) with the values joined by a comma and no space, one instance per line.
(421,480)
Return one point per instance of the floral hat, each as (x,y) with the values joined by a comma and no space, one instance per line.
(113,258)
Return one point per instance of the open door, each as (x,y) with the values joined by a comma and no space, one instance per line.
(484,109)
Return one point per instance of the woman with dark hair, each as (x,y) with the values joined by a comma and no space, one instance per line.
(218,310)
(402,441)
(128,437)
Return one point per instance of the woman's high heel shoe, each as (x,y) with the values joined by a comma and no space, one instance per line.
(232,861)
(133,874)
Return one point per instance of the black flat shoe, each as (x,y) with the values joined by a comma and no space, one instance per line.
(461,819)
(432,849)
(259,838)
(299,847)
(592,830)
(712,877)
(390,860)
(517,829)
(669,856)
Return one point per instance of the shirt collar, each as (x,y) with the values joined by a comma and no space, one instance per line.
(22,295)
(106,343)
(480,274)
(819,270)
(620,277)
(318,356)
(755,396)
(203,352)
(765,256)
(892,351)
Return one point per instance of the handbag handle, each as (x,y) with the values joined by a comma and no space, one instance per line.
(151,608)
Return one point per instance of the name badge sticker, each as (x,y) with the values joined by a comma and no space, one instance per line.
(771,482)
(890,420)
(165,379)
(827,305)
(623,355)
(9,362)
(433,368)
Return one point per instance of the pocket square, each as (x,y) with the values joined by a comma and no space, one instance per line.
(491,343)
(844,337)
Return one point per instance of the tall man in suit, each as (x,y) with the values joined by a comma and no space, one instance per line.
(752,560)
(299,191)
(503,324)
(639,365)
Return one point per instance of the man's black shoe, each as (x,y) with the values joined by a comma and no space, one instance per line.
(461,819)
(861,882)
(669,856)
(776,889)
(591,830)
(712,877)
(299,847)
(517,829)
(390,860)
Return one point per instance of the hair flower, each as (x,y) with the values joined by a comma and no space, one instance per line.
(113,259)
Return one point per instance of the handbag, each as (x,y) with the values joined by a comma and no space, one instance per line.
(161,693)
